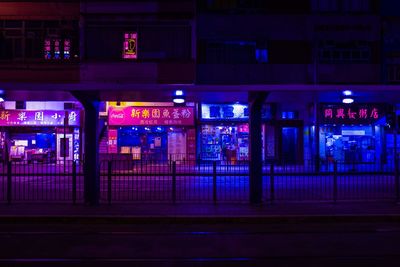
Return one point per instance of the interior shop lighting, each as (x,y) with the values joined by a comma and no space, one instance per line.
(347,93)
(2,95)
(347,100)
(178,97)
(347,97)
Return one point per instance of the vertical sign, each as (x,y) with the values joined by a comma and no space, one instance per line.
(112,141)
(191,144)
(57,49)
(130,46)
(76,144)
(67,48)
(47,49)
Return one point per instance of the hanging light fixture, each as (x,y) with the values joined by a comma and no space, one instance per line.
(178,97)
(2,95)
(347,97)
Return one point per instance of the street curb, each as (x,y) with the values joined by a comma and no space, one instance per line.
(196,219)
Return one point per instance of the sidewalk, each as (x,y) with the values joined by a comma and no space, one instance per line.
(200,213)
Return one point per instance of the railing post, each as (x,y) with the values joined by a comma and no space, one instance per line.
(170,162)
(272,183)
(397,177)
(109,172)
(335,188)
(74,182)
(9,182)
(174,182)
(215,182)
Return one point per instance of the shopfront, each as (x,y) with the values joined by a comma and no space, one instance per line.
(152,133)
(353,133)
(40,135)
(224,132)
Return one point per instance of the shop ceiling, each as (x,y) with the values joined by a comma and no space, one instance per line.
(202,93)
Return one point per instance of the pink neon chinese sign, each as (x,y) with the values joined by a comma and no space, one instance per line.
(352,113)
(17,117)
(130,46)
(151,116)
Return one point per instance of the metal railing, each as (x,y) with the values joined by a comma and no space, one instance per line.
(61,181)
(178,181)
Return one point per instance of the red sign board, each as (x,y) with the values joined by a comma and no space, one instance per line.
(148,116)
(112,141)
(15,117)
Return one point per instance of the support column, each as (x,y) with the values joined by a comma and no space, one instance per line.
(256,101)
(91,164)
(317,156)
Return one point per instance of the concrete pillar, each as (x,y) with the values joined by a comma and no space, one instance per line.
(256,101)
(91,165)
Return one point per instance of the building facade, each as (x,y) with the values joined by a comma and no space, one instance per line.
(263,79)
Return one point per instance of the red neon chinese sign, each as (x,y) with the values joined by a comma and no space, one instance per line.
(151,116)
(352,113)
(130,46)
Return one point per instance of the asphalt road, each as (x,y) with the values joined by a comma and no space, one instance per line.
(205,244)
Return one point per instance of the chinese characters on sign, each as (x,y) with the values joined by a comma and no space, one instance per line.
(231,111)
(352,114)
(151,116)
(57,49)
(38,118)
(130,46)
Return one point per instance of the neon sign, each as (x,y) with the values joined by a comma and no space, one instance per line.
(56,49)
(350,114)
(130,46)
(17,117)
(151,116)
(231,112)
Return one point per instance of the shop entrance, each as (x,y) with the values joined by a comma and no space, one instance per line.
(64,147)
(290,142)
(289,147)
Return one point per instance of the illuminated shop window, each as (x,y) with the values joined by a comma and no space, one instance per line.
(130,46)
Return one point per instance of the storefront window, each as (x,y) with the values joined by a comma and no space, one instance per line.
(223,142)
(152,143)
(353,133)
(349,144)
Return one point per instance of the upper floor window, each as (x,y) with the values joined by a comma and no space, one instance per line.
(344,52)
(345,6)
(232,52)
(254,6)
(154,42)
(38,40)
